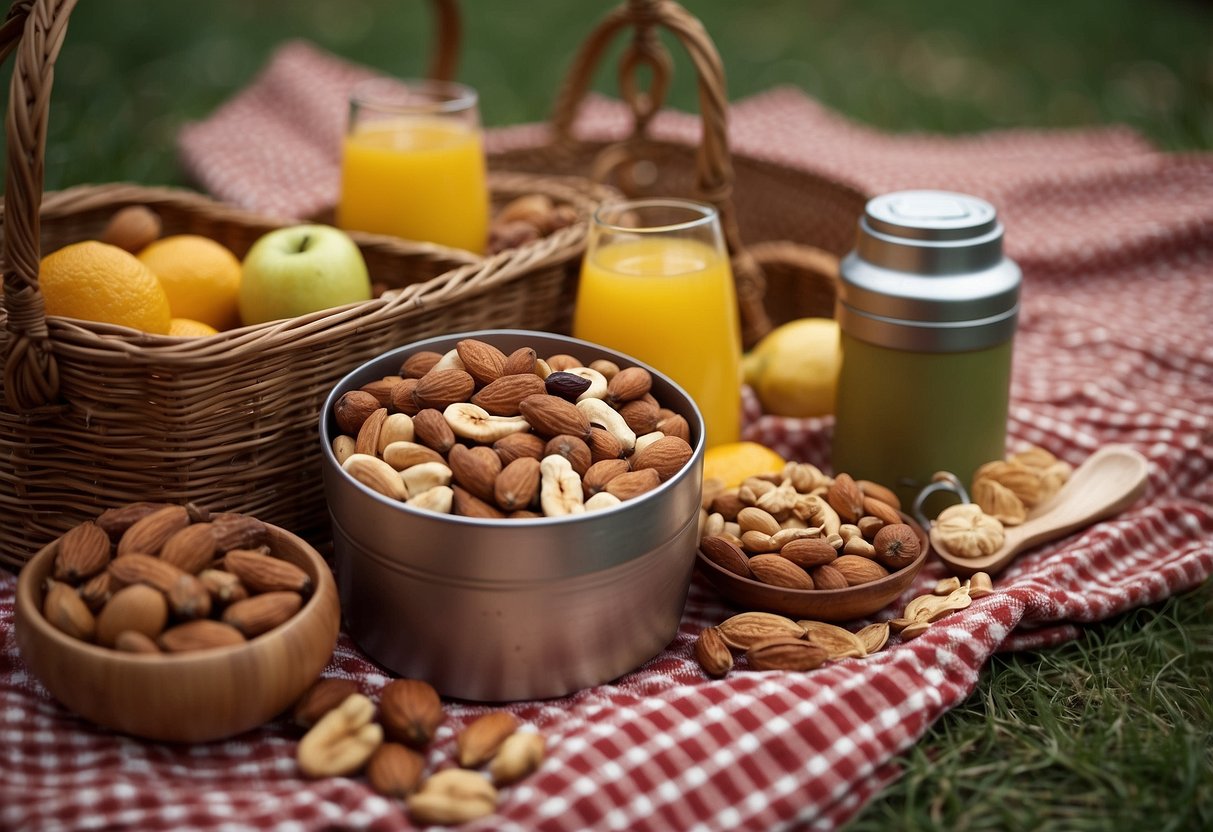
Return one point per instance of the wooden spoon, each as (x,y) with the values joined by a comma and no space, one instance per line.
(1109,481)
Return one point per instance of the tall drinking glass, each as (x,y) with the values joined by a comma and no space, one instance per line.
(413,165)
(656,284)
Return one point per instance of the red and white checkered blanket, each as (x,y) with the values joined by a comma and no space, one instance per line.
(1115,345)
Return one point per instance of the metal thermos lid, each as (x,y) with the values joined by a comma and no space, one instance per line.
(928,274)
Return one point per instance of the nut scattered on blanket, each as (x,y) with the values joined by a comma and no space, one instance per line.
(775,642)
(347,736)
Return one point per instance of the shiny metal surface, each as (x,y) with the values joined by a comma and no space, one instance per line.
(928,275)
(497,610)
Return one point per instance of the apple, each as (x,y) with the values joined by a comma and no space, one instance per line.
(300,269)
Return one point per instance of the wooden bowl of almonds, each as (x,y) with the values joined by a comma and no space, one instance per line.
(804,544)
(165,622)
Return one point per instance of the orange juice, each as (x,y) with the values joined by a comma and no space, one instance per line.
(669,302)
(417,178)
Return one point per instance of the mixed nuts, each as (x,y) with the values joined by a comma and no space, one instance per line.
(162,578)
(479,433)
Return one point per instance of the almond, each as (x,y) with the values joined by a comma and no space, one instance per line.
(518,445)
(130,641)
(520,754)
(400,456)
(395,771)
(520,361)
(479,741)
(202,634)
(475,469)
(147,535)
(667,456)
(845,498)
(675,424)
(262,613)
(640,416)
(633,484)
(484,362)
(144,569)
(84,550)
(563,361)
(402,397)
(223,587)
(859,570)
(777,571)
(746,628)
(517,485)
(263,573)
(808,552)
(382,389)
(137,607)
(410,711)
(430,429)
(379,475)
(602,472)
(502,397)
(367,441)
(629,384)
(878,492)
(713,653)
(551,416)
(193,548)
(572,448)
(188,598)
(728,505)
(874,636)
(881,510)
(603,444)
(827,577)
(115,521)
(837,642)
(419,363)
(439,388)
(726,554)
(467,504)
(785,654)
(752,518)
(320,698)
(238,531)
(352,409)
(67,612)
(97,591)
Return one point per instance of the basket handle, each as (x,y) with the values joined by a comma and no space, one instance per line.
(714,168)
(31,375)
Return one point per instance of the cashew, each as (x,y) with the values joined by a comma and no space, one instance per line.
(601,500)
(449,361)
(342,741)
(598,382)
(451,796)
(752,489)
(757,542)
(424,476)
(343,447)
(602,414)
(560,487)
(375,474)
(470,421)
(849,530)
(835,540)
(869,525)
(542,368)
(398,427)
(647,439)
(519,755)
(858,546)
(785,536)
(440,498)
(825,516)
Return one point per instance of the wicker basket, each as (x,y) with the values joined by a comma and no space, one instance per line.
(96,415)
(786,228)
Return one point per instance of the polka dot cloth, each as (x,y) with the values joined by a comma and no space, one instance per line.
(1115,345)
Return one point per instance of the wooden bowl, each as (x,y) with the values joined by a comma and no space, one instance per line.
(187,697)
(818,604)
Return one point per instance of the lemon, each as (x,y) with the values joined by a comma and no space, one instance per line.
(187,328)
(794,368)
(734,461)
(200,276)
(95,281)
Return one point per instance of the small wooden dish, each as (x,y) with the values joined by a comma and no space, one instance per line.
(818,604)
(188,697)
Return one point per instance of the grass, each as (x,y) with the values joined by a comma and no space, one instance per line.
(1111,731)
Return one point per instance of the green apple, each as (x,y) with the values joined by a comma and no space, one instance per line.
(300,269)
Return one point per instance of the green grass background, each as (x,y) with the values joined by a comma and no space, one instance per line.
(1112,731)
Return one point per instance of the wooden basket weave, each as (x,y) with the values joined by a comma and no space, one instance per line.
(95,415)
(786,228)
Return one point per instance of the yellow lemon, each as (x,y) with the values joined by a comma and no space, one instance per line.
(95,281)
(184,327)
(794,368)
(200,276)
(733,462)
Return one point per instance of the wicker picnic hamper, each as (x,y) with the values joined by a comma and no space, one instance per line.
(95,415)
(785,227)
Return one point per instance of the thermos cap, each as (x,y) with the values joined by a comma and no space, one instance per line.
(928,274)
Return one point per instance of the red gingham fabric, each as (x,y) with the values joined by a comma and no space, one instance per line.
(1115,345)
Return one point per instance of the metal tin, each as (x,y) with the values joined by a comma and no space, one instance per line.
(928,274)
(499,610)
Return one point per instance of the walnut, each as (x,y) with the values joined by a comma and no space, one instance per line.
(968,532)
(1023,481)
(999,501)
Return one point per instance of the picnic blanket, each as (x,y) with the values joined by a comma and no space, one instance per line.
(1115,345)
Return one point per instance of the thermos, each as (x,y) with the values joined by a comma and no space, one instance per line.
(927,306)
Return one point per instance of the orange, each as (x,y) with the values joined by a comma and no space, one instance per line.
(200,276)
(734,461)
(95,281)
(187,328)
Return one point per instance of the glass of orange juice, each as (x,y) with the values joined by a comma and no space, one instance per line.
(656,284)
(412,163)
